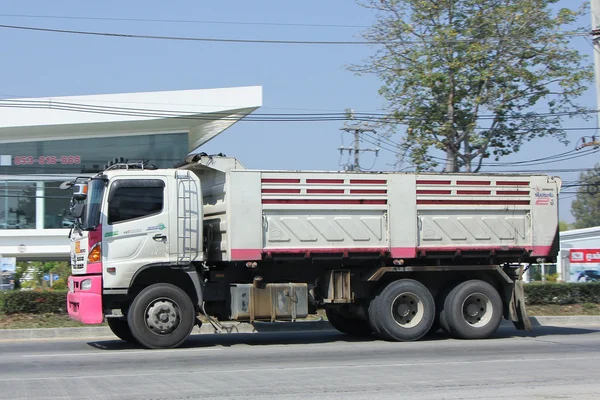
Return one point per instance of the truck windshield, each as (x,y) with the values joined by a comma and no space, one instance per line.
(91,216)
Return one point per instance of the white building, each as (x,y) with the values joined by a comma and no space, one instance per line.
(579,258)
(46,141)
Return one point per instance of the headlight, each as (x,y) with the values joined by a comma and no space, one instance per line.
(86,284)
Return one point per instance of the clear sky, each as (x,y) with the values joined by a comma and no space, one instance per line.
(295,78)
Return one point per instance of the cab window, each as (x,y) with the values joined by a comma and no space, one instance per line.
(129,201)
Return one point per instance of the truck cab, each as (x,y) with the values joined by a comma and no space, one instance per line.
(128,222)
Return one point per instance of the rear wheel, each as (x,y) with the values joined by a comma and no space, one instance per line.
(161,316)
(472,310)
(121,329)
(348,323)
(403,311)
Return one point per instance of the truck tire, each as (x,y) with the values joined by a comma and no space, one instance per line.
(440,302)
(121,329)
(472,310)
(161,316)
(352,326)
(403,311)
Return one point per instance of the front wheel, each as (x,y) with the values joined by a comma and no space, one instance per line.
(348,324)
(472,310)
(403,311)
(161,316)
(121,329)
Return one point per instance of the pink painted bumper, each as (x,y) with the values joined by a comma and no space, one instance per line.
(85,305)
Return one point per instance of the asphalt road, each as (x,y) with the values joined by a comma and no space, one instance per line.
(550,363)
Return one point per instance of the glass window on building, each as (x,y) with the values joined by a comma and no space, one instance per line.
(42,164)
(56,206)
(17,205)
(80,156)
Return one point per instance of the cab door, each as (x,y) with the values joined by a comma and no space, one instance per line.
(135,231)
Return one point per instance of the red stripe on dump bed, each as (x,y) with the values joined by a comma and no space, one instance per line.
(279,180)
(246,254)
(484,192)
(403,252)
(325,191)
(512,183)
(368,191)
(512,193)
(319,250)
(321,201)
(432,182)
(283,191)
(479,183)
(423,191)
(326,181)
(475,202)
(541,250)
(435,249)
(368,181)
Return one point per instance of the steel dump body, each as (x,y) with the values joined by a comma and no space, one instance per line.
(253,215)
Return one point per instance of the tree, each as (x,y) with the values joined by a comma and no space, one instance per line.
(34,273)
(586,206)
(463,75)
(563,226)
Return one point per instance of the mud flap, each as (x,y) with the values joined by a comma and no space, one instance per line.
(517,311)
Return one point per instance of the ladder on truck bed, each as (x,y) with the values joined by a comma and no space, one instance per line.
(188,218)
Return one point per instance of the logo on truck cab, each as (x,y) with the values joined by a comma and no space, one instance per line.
(544,196)
(158,227)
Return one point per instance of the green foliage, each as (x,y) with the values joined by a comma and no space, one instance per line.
(463,75)
(34,302)
(586,206)
(36,270)
(551,277)
(2,294)
(562,293)
(563,226)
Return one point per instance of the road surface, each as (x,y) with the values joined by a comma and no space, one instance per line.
(549,363)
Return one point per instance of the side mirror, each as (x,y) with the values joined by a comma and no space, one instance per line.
(66,185)
(77,210)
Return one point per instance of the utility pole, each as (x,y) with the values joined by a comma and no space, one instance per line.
(595,5)
(593,143)
(358,130)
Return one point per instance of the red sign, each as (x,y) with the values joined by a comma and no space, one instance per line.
(583,256)
(41,160)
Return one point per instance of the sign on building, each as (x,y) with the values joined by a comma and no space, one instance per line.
(585,265)
(7,272)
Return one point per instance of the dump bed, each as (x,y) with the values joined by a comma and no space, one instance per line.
(251,215)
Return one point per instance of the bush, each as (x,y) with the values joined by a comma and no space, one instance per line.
(551,277)
(34,302)
(562,293)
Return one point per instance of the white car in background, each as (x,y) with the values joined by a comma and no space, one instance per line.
(10,224)
(67,223)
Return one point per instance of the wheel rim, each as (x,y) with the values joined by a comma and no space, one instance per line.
(407,310)
(477,310)
(163,316)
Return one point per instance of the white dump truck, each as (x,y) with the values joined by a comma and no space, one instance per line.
(396,255)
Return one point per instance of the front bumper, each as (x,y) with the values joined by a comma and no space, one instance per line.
(85,306)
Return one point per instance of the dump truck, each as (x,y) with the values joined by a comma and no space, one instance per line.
(396,255)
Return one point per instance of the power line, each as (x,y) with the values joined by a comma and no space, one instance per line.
(223,40)
(185,38)
(182,21)
(286,117)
